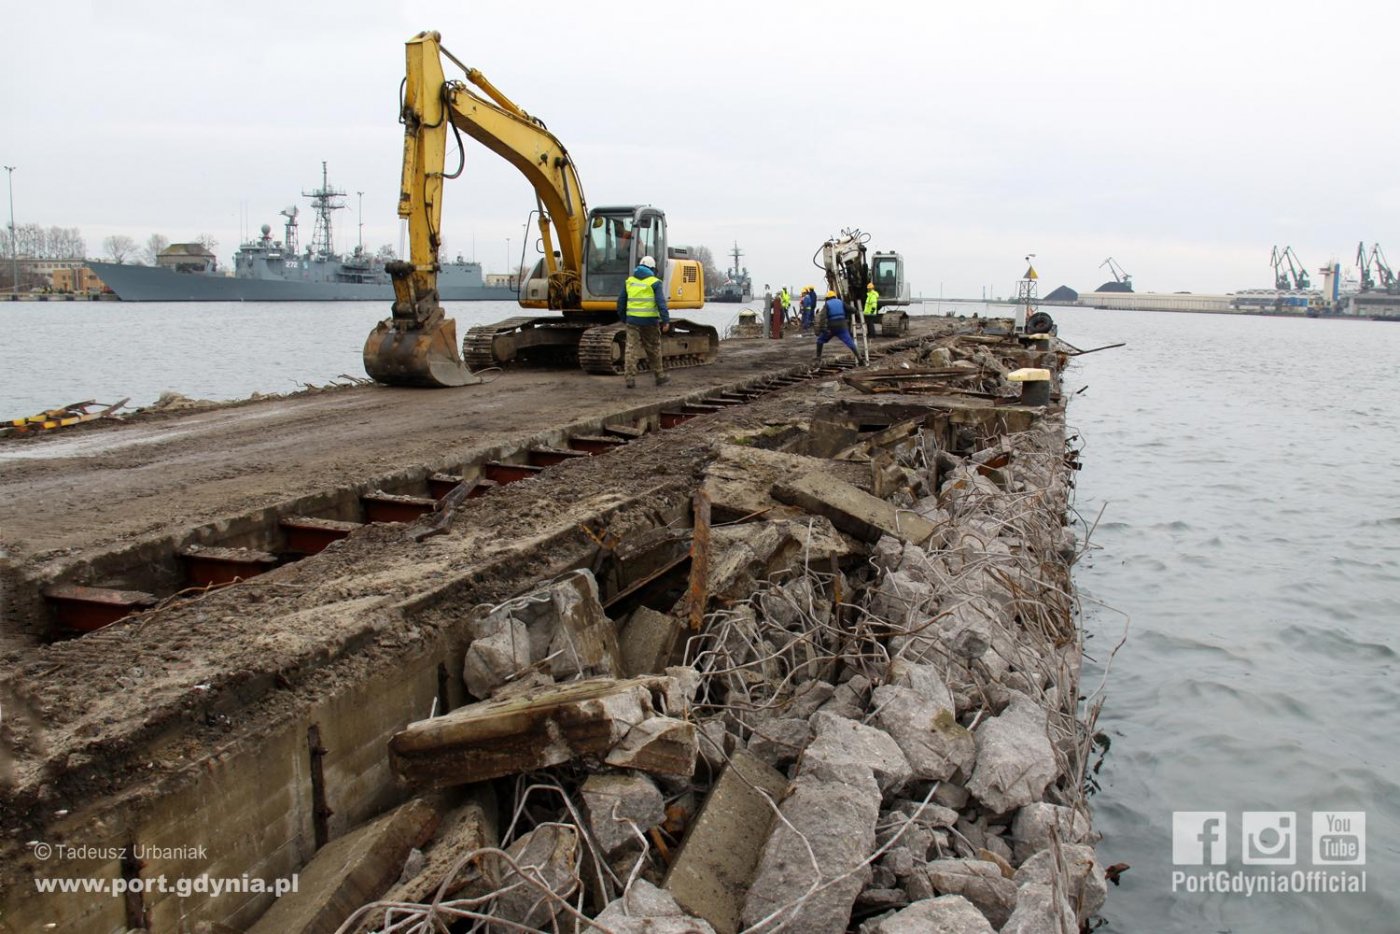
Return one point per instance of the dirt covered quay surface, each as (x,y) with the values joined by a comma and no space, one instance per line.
(64,496)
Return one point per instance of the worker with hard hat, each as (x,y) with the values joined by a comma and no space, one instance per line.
(834,325)
(642,307)
(872,299)
(787,301)
(808,303)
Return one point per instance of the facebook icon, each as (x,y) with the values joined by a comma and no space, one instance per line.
(1198,838)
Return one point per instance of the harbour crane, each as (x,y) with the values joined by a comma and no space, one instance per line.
(1363,265)
(1280,273)
(1120,275)
(1388,280)
(1289,272)
(1296,267)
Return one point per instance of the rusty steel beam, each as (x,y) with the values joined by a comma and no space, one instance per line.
(699,594)
(213,567)
(548,457)
(504,473)
(307,535)
(387,507)
(87,609)
(591,444)
(672,419)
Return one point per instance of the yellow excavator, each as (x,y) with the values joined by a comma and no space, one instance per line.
(587,255)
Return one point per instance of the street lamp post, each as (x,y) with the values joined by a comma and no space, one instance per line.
(14,244)
(508,276)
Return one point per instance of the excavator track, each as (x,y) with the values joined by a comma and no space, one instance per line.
(479,348)
(603,349)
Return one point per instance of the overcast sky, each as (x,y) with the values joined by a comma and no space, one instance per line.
(1184,139)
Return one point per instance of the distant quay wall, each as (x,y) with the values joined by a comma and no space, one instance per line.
(56,297)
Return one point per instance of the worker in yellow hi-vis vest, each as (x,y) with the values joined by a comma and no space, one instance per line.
(642,307)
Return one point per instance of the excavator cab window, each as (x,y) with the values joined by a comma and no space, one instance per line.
(648,242)
(609,254)
(886,276)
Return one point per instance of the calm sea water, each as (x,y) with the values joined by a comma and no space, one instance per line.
(57,353)
(1246,469)
(1251,533)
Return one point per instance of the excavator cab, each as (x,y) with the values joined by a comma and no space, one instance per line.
(618,238)
(887,272)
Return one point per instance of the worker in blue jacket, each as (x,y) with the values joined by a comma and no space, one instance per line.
(809,308)
(834,313)
(642,307)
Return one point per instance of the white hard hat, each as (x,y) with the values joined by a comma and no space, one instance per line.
(649,262)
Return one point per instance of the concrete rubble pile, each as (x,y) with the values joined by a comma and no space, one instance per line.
(876,729)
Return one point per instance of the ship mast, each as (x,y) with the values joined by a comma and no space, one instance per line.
(736,254)
(323,202)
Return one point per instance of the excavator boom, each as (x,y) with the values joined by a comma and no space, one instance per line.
(417,345)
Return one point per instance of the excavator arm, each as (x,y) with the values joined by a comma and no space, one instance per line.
(417,346)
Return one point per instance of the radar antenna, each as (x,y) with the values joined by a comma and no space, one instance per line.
(323,202)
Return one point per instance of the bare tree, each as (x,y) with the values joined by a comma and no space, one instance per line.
(155,244)
(386,253)
(30,240)
(713,276)
(208,242)
(119,247)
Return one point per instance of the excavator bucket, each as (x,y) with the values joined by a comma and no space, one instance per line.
(399,355)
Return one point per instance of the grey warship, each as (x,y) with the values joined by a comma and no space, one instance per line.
(737,286)
(268,270)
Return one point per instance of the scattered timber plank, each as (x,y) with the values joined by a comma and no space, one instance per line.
(520,733)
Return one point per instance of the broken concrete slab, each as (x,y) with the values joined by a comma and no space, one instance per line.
(742,555)
(520,733)
(946,914)
(497,655)
(849,698)
(645,909)
(1015,761)
(740,480)
(619,807)
(1037,822)
(566,625)
(780,740)
(852,510)
(807,697)
(844,750)
(350,872)
(1040,910)
(832,820)
(980,882)
(468,826)
(715,866)
(903,601)
(1084,882)
(585,640)
(936,745)
(923,680)
(659,745)
(647,642)
(547,856)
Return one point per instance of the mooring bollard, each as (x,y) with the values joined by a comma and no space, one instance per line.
(1035,385)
